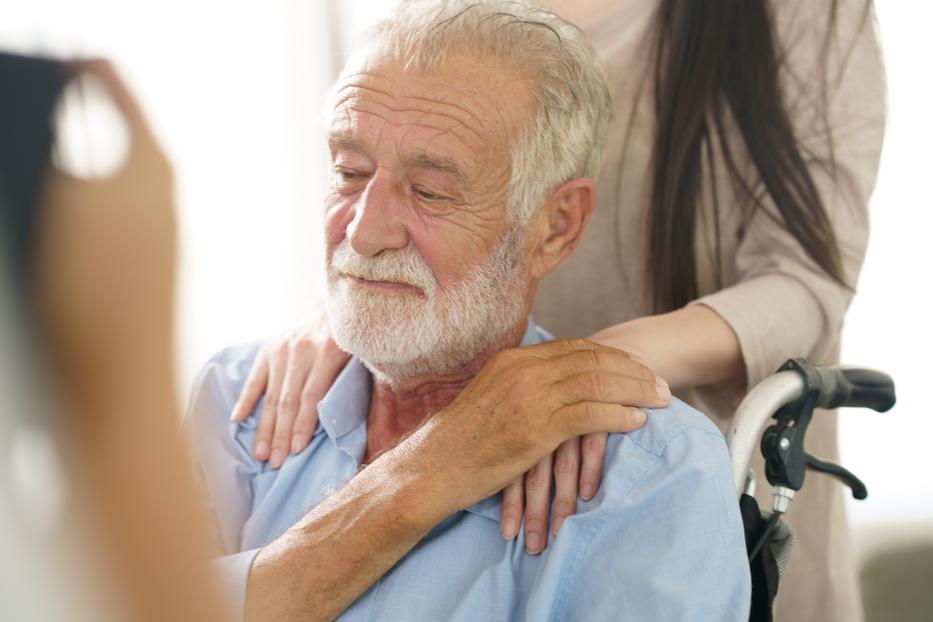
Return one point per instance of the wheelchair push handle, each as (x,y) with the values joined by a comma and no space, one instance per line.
(782,444)
(854,387)
(786,401)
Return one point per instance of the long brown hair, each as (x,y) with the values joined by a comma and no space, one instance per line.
(714,56)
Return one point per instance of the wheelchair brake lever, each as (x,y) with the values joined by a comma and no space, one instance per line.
(859,491)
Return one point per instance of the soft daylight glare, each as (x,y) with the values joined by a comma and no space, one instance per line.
(234,92)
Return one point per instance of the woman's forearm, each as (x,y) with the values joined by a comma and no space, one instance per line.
(693,346)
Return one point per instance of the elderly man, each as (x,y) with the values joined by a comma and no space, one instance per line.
(464,143)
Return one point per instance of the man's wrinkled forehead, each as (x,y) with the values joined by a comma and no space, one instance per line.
(463,106)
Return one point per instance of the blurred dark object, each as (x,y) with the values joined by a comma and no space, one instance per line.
(29,92)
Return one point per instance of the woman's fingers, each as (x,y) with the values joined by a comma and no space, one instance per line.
(510,516)
(593,450)
(278,357)
(298,364)
(254,388)
(329,362)
(537,505)
(295,373)
(566,477)
(307,419)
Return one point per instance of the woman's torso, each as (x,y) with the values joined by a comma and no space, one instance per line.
(606,281)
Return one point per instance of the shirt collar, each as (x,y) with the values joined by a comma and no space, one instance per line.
(343,412)
(346,404)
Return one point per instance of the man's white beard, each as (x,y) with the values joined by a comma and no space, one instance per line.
(401,336)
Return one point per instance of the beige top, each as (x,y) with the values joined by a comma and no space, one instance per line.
(776,299)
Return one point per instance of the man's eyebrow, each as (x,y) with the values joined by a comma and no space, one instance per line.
(440,163)
(344,141)
(340,140)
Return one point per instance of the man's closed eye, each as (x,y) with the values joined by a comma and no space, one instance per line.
(428,196)
(349,175)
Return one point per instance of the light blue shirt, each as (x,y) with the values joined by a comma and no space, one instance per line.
(661,540)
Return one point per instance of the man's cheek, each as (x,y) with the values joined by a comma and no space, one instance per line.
(338,214)
(442,251)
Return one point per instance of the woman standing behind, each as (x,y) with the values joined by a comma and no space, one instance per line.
(734,200)
(730,230)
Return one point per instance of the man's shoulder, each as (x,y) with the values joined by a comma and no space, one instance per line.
(667,503)
(676,420)
(217,387)
(677,445)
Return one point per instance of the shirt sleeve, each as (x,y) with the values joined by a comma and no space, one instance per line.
(782,304)
(666,544)
(225,467)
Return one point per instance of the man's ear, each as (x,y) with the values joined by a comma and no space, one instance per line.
(564,215)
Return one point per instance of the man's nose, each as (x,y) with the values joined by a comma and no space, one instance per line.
(378,223)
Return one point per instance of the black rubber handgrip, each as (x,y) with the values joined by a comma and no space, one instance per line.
(855,388)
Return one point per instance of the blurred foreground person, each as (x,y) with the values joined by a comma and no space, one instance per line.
(86,318)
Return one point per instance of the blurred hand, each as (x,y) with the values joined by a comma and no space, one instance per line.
(107,248)
(105,293)
(294,372)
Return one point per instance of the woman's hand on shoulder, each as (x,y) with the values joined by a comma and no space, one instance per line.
(294,372)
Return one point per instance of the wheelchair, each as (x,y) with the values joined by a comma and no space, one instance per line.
(773,418)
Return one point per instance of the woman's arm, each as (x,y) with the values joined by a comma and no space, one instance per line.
(781,304)
(693,346)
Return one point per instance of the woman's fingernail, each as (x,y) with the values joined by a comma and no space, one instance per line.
(664,389)
(262,450)
(298,443)
(533,543)
(509,528)
(557,523)
(586,492)
(640,417)
(275,461)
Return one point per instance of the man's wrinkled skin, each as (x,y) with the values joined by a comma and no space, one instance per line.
(419,161)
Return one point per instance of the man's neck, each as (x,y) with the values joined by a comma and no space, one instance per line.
(397,408)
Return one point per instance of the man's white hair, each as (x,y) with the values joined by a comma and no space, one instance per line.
(565,139)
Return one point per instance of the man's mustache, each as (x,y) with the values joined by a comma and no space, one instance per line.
(405,266)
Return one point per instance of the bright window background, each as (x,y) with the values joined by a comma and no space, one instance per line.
(888,325)
(235,91)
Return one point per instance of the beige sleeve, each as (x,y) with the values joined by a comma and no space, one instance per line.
(782,305)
